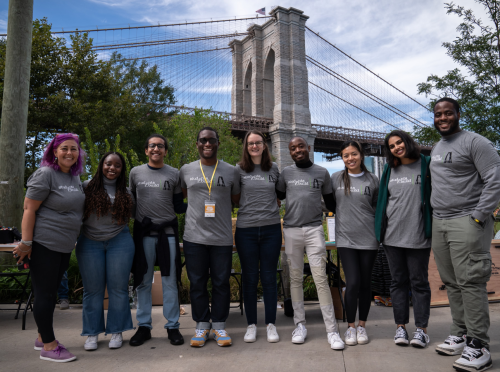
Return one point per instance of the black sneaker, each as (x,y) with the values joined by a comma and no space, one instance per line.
(475,357)
(175,336)
(420,339)
(401,337)
(143,334)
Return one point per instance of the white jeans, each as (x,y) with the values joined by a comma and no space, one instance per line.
(311,240)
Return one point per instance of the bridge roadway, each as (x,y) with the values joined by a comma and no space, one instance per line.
(328,139)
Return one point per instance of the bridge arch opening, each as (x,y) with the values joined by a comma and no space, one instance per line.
(268,83)
(247,91)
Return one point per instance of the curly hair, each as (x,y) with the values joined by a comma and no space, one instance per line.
(97,199)
(49,159)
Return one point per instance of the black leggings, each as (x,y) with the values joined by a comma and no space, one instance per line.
(47,268)
(358,266)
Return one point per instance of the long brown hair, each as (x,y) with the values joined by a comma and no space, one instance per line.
(346,179)
(246,162)
(97,199)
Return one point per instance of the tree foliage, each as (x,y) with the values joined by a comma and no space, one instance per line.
(476,84)
(72,89)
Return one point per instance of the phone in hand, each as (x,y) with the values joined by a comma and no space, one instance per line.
(25,264)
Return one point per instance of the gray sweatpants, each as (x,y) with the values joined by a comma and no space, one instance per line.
(462,252)
(310,239)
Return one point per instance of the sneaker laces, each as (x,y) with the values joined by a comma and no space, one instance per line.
(350,333)
(221,332)
(335,337)
(116,337)
(92,339)
(362,331)
(400,332)
(272,329)
(299,331)
(59,349)
(470,353)
(419,333)
(200,332)
(451,339)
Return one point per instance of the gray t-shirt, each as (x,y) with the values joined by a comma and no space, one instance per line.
(461,166)
(258,203)
(405,224)
(209,230)
(355,214)
(59,217)
(154,190)
(103,228)
(304,187)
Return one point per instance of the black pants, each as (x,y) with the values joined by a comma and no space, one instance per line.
(358,266)
(204,262)
(47,269)
(409,270)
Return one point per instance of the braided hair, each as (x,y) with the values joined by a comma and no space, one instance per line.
(97,199)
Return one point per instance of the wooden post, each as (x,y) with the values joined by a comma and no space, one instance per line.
(15,111)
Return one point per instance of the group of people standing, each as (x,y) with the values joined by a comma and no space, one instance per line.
(444,201)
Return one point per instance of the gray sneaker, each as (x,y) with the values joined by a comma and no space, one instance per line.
(64,304)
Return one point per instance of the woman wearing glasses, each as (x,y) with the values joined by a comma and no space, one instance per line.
(258,231)
(53,211)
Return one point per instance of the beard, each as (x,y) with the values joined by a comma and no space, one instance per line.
(453,128)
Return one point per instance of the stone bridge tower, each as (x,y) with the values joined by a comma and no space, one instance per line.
(270,79)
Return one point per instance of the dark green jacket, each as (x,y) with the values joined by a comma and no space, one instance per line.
(383,196)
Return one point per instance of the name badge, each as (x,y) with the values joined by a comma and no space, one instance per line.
(209,208)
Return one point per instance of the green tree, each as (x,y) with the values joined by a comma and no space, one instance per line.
(476,85)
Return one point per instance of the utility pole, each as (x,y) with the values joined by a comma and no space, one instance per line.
(15,111)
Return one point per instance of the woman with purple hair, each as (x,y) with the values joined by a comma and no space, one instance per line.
(53,211)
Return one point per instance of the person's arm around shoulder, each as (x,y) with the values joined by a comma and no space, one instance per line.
(183,182)
(236,187)
(178,197)
(381,204)
(327,193)
(375,191)
(281,186)
(131,182)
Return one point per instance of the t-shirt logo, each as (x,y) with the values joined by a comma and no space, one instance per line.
(315,184)
(447,158)
(166,185)
(367,191)
(272,179)
(80,186)
(220,182)
(417,180)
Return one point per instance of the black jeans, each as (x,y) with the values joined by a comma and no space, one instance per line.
(259,250)
(204,262)
(358,266)
(409,270)
(47,269)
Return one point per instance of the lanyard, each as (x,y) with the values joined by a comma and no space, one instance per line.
(213,174)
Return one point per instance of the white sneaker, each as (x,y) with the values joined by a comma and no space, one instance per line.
(91,343)
(272,333)
(475,357)
(420,339)
(335,341)
(350,337)
(116,341)
(251,335)
(361,336)
(299,334)
(453,345)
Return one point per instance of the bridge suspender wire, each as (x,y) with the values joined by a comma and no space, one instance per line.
(155,26)
(367,94)
(176,54)
(366,68)
(162,42)
(349,103)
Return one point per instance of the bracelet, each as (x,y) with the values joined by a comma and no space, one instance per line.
(23,251)
(27,243)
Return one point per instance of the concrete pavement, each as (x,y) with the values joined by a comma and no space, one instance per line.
(16,351)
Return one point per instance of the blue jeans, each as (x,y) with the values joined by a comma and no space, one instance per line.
(106,264)
(259,247)
(171,310)
(63,290)
(204,262)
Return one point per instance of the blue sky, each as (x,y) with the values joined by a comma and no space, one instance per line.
(398,39)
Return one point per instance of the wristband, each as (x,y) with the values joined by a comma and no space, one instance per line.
(27,243)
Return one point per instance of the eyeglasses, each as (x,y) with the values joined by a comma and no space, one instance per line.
(153,145)
(210,140)
(252,144)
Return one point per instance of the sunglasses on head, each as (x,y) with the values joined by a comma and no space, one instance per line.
(210,140)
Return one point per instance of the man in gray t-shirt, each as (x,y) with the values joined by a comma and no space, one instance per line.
(303,184)
(465,177)
(208,241)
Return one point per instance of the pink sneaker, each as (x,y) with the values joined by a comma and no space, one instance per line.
(60,354)
(38,344)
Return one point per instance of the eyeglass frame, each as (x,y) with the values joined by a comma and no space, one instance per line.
(160,146)
(256,143)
